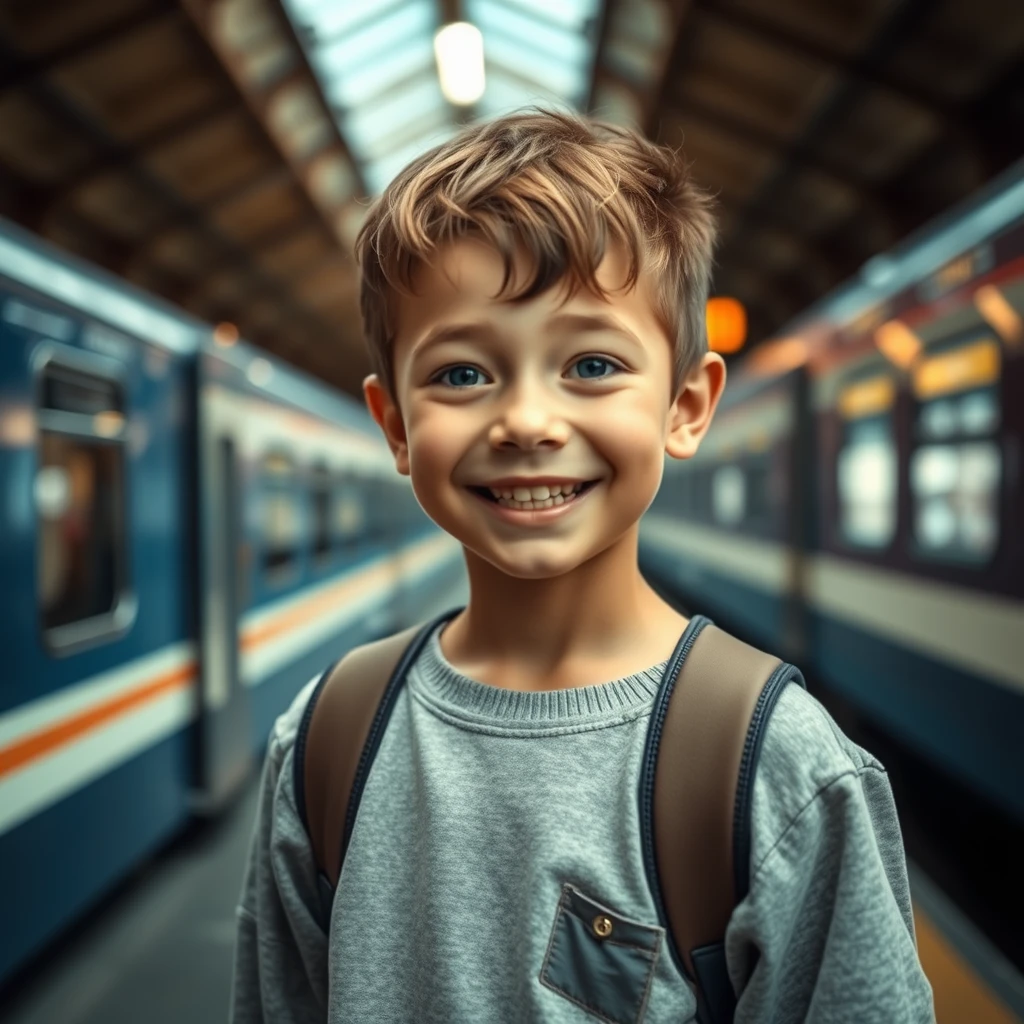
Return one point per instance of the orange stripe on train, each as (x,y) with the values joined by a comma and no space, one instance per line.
(45,741)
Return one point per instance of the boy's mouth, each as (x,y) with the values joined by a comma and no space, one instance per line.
(535,497)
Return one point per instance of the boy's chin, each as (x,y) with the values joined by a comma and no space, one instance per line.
(536,565)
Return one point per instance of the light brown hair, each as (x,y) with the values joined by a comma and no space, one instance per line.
(562,187)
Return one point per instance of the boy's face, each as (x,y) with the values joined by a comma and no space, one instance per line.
(503,395)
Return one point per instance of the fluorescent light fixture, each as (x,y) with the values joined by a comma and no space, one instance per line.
(459,49)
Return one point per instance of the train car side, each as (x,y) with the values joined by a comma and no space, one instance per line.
(98,694)
(189,535)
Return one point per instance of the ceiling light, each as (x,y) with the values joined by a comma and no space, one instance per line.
(459,49)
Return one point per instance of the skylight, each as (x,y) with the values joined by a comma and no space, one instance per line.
(374,60)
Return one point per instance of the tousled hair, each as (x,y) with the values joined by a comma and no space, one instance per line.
(560,187)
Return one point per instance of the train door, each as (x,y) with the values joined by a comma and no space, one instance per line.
(224,729)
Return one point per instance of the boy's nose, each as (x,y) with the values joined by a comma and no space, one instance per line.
(527,422)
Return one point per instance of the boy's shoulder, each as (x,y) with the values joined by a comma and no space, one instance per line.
(803,753)
(286,726)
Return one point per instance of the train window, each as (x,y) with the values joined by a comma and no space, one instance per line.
(728,495)
(866,467)
(320,496)
(956,465)
(80,503)
(956,490)
(762,499)
(349,511)
(281,521)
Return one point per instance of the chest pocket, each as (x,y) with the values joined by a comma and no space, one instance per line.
(600,960)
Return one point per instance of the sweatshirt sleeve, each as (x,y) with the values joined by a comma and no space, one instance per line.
(826,932)
(280,967)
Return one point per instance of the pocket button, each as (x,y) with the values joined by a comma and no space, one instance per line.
(602,926)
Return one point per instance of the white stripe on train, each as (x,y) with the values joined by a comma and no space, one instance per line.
(979,632)
(68,765)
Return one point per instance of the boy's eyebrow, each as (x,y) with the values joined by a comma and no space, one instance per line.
(475,330)
(594,322)
(468,331)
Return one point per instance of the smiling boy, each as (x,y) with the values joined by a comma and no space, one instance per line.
(533,294)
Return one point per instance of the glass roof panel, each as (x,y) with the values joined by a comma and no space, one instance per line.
(577,15)
(375,63)
(405,25)
(331,18)
(353,90)
(562,79)
(367,125)
(505,94)
(559,44)
(380,172)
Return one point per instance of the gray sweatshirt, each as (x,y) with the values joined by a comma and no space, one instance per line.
(497,826)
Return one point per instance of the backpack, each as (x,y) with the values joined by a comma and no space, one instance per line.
(695,788)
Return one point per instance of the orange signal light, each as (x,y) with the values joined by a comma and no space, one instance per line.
(727,325)
(225,334)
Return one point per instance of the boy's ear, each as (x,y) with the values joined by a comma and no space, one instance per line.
(389,419)
(694,406)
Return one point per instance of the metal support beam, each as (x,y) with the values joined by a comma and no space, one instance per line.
(288,33)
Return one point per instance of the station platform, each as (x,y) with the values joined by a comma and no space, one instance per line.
(159,948)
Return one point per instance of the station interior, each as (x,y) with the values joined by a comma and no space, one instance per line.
(199,515)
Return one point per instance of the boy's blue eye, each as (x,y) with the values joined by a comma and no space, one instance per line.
(459,376)
(591,367)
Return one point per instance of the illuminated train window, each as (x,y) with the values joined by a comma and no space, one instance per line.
(280,513)
(349,511)
(729,495)
(866,467)
(956,465)
(81,564)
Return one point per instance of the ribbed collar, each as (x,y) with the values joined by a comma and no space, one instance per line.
(434,679)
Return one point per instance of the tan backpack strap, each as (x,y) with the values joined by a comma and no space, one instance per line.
(703,744)
(339,736)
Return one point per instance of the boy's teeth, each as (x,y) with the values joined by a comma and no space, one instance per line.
(542,496)
(535,494)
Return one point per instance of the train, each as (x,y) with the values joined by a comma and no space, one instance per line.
(856,508)
(189,531)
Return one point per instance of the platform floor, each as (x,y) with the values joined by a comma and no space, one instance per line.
(160,948)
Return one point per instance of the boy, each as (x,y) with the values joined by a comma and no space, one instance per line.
(533,293)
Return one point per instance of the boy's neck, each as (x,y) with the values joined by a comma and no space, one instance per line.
(599,622)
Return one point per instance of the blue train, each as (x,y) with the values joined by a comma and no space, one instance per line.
(857,505)
(188,532)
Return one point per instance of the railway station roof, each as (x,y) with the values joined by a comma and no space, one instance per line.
(221,153)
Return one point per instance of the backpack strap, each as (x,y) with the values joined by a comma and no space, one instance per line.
(705,736)
(338,738)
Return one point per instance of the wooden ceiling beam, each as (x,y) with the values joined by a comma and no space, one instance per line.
(600,45)
(675,64)
(758,138)
(67,111)
(771,32)
(166,135)
(23,69)
(904,19)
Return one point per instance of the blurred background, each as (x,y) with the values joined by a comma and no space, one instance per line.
(197,514)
